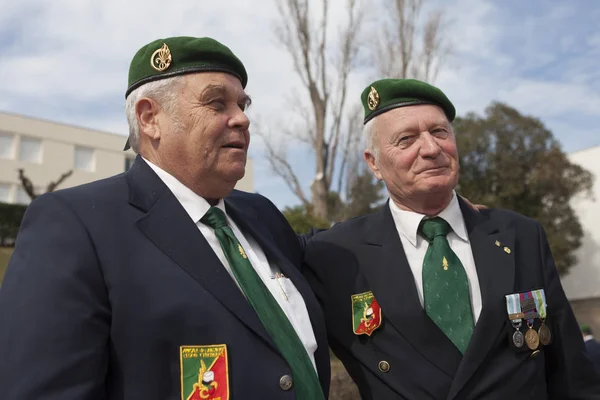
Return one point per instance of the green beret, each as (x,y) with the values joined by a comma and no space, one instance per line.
(164,58)
(386,94)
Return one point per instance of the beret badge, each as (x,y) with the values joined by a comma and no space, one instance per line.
(373,100)
(161,58)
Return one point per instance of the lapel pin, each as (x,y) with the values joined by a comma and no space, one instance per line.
(497,243)
(506,250)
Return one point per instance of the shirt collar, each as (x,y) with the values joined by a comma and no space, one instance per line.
(407,222)
(196,206)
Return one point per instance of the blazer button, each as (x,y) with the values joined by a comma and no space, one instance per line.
(534,354)
(286,382)
(384,366)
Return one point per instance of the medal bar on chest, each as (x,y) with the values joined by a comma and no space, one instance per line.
(540,303)
(513,308)
(529,314)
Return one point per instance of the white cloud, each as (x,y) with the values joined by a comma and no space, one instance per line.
(68,61)
(551,99)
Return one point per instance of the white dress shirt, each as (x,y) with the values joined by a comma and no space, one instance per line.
(282,288)
(415,246)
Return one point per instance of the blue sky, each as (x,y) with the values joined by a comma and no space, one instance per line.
(67,61)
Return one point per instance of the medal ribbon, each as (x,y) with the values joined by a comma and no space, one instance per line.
(540,302)
(513,307)
(530,313)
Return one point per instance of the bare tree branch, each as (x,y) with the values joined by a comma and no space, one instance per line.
(26,184)
(325,64)
(53,185)
(296,15)
(29,188)
(349,52)
(286,34)
(299,125)
(351,150)
(434,49)
(322,52)
(277,158)
(408,48)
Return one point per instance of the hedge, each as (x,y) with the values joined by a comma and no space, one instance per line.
(10,220)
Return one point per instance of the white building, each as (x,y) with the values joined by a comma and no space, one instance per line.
(45,150)
(582,283)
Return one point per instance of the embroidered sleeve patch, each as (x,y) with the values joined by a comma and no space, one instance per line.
(366,313)
(204,372)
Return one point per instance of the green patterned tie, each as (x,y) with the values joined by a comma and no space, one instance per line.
(266,307)
(445,285)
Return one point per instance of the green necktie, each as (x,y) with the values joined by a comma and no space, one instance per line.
(266,307)
(445,285)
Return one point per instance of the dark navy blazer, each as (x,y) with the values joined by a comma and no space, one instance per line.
(109,279)
(366,254)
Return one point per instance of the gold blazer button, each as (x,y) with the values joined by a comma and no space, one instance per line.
(384,366)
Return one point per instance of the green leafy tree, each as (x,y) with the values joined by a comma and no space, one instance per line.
(365,195)
(302,220)
(509,160)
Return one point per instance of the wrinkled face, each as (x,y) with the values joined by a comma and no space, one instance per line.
(416,153)
(206,136)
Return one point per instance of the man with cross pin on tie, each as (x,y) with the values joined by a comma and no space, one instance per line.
(438,275)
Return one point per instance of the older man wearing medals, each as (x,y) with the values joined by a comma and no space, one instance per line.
(469,303)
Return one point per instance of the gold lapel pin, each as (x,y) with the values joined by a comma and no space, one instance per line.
(497,243)
(506,250)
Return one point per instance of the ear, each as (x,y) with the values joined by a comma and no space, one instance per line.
(372,163)
(147,111)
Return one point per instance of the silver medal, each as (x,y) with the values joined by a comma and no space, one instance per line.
(518,339)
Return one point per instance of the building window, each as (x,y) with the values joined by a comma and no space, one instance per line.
(128,163)
(30,150)
(84,159)
(22,197)
(7,146)
(4,193)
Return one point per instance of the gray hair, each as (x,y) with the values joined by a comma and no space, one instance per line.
(163,91)
(369,135)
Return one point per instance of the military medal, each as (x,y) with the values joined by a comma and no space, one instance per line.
(528,308)
(531,338)
(518,337)
(513,307)
(545,335)
(540,302)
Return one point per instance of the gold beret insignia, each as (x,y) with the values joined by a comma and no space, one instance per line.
(161,58)
(373,99)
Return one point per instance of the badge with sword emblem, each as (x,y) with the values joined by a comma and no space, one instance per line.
(366,313)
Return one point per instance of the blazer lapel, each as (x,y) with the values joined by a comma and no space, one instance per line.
(496,273)
(249,223)
(393,285)
(170,228)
